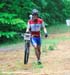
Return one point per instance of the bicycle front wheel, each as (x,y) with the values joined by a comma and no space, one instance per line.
(26,55)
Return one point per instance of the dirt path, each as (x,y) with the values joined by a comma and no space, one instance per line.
(56,62)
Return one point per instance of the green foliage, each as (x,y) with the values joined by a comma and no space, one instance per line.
(14,13)
(1,5)
(50,10)
(7,34)
(10,24)
(67,8)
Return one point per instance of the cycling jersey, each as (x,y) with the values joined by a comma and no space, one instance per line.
(35,27)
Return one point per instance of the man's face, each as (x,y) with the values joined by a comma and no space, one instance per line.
(34,16)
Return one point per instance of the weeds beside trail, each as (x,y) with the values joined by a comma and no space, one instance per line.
(54,62)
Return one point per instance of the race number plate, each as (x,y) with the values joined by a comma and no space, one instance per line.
(27,36)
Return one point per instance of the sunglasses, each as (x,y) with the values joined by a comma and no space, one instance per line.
(35,14)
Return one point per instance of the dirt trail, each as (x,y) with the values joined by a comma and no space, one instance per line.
(56,62)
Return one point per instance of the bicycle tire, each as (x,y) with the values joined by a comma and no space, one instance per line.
(26,55)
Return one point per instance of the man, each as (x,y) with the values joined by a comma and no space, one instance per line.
(34,26)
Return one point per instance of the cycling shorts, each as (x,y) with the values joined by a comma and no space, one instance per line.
(36,41)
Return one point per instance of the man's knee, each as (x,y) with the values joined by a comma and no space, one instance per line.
(36,47)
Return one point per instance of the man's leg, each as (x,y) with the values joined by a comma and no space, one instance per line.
(35,44)
(37,52)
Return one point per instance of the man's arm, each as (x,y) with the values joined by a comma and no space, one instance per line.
(45,30)
(28,27)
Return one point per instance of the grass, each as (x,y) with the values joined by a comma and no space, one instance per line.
(55,29)
(1,73)
(51,47)
(58,28)
(35,65)
(11,42)
(51,44)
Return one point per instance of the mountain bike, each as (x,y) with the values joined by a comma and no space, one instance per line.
(27,37)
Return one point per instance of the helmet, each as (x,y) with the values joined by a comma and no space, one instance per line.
(34,11)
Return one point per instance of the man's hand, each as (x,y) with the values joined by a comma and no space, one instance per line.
(46,35)
(28,32)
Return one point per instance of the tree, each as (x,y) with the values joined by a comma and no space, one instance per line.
(9,23)
(51,10)
(14,14)
(67,8)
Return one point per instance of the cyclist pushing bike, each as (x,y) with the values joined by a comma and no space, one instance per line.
(34,26)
